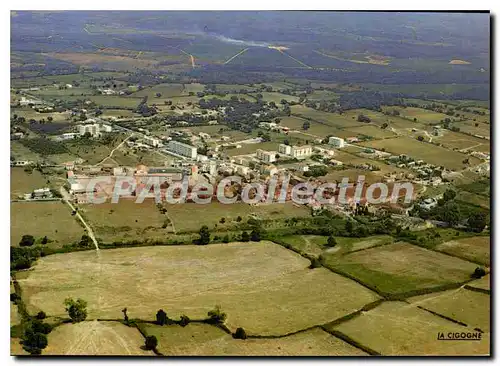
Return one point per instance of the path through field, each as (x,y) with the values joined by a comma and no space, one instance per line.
(233,57)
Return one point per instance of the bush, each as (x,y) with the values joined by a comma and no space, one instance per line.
(240,334)
(245,237)
(151,343)
(41,315)
(478,272)
(216,315)
(77,310)
(184,320)
(14,297)
(331,241)
(27,241)
(161,317)
(315,263)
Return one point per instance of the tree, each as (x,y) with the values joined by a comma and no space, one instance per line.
(244,236)
(184,320)
(161,317)
(222,220)
(451,213)
(477,222)
(238,219)
(449,194)
(41,315)
(478,273)
(420,138)
(385,125)
(77,310)
(34,342)
(331,242)
(216,315)
(27,241)
(240,334)
(306,125)
(315,263)
(45,240)
(225,239)
(151,343)
(204,235)
(255,235)
(125,316)
(348,226)
(40,327)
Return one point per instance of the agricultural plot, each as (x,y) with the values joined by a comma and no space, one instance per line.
(317,130)
(482,129)
(400,329)
(201,340)
(330,119)
(22,182)
(402,267)
(422,115)
(476,249)
(461,141)
(370,130)
(164,90)
(420,150)
(211,214)
(483,283)
(51,219)
(21,152)
(119,113)
(125,220)
(317,244)
(95,338)
(277,97)
(466,306)
(262,286)
(32,114)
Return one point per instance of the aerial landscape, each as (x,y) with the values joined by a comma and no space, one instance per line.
(258,183)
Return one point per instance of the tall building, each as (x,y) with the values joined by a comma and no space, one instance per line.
(182,149)
(336,141)
(92,129)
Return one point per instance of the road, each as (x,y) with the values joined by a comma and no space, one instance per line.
(67,199)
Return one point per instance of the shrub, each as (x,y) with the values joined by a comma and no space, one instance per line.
(161,317)
(216,315)
(184,320)
(41,315)
(14,297)
(27,241)
(240,334)
(478,272)
(77,310)
(151,343)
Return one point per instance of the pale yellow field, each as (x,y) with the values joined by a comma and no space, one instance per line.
(476,248)
(469,307)
(401,329)
(202,339)
(93,338)
(262,286)
(483,283)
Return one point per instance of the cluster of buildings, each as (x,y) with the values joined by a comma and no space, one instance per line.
(39,194)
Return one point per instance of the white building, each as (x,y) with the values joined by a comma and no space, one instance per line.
(301,151)
(106,128)
(93,129)
(266,156)
(182,149)
(336,141)
(153,141)
(285,149)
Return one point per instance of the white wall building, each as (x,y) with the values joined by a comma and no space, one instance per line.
(301,151)
(182,149)
(93,129)
(266,156)
(336,141)
(285,149)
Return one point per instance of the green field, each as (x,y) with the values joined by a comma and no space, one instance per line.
(476,248)
(402,267)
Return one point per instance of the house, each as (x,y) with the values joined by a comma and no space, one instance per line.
(285,149)
(266,156)
(301,151)
(336,142)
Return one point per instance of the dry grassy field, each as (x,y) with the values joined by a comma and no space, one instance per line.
(125,220)
(476,248)
(401,329)
(93,338)
(466,306)
(402,267)
(22,182)
(263,287)
(483,283)
(202,339)
(420,150)
(51,219)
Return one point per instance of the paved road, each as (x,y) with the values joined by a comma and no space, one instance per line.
(67,199)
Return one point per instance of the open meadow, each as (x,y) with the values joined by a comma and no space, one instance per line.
(401,267)
(476,249)
(263,287)
(401,329)
(51,219)
(93,338)
(201,339)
